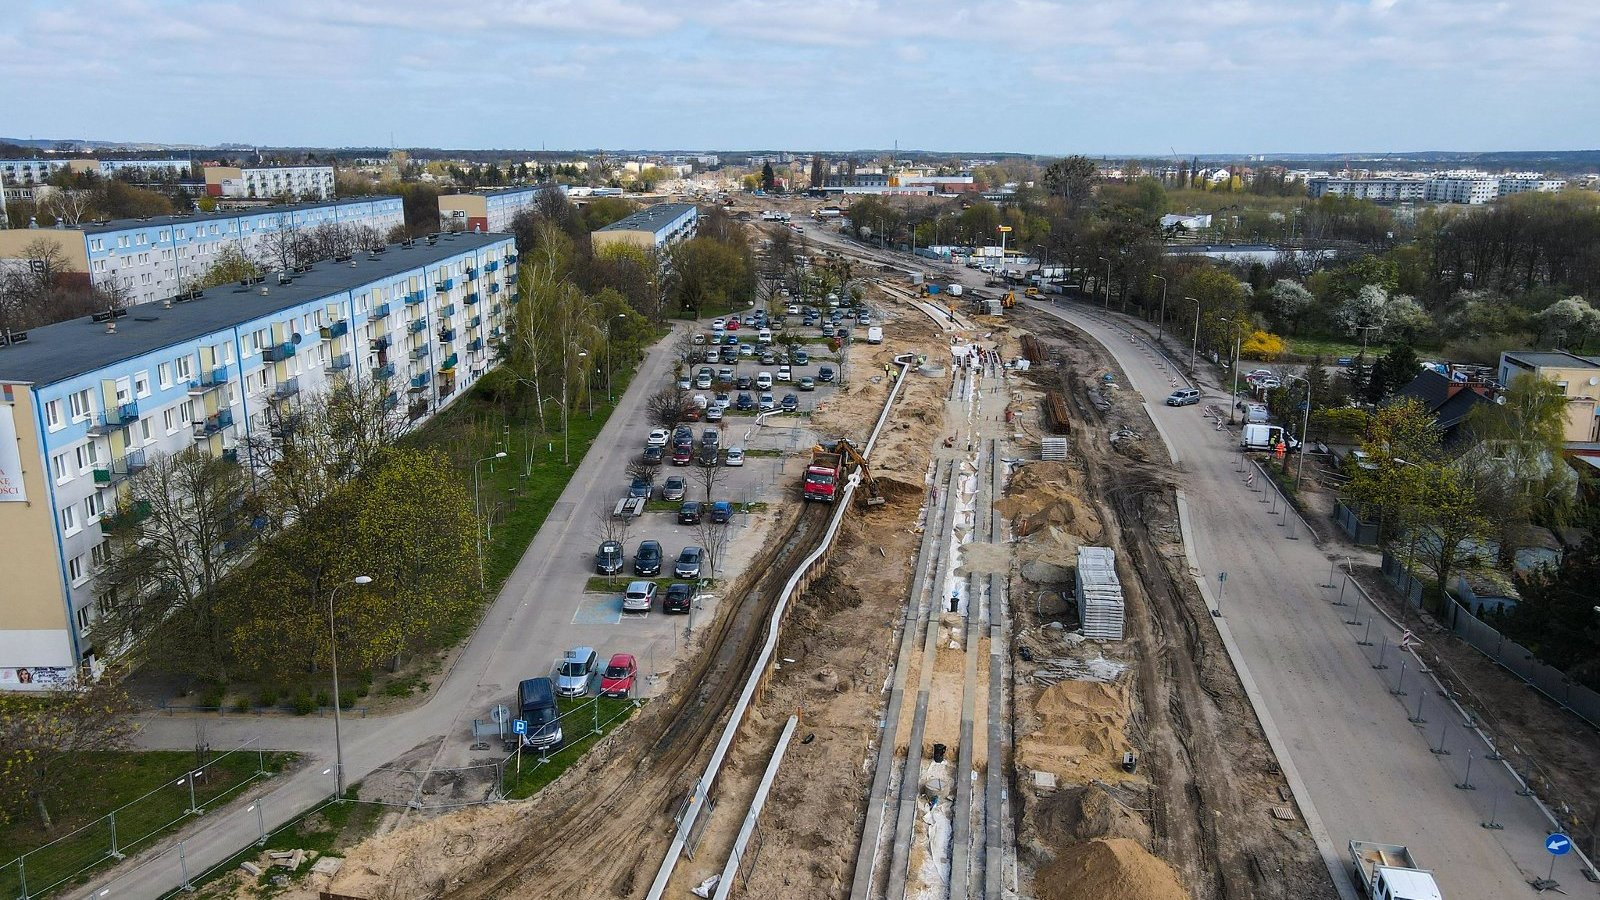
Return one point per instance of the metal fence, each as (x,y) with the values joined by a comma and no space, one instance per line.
(1509,654)
(130,827)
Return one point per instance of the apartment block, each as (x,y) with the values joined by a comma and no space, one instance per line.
(1378,190)
(151,259)
(265,182)
(87,404)
(1577,376)
(651,228)
(1469,189)
(485,210)
(1532,183)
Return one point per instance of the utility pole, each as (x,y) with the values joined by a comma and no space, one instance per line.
(1161,321)
(1194,345)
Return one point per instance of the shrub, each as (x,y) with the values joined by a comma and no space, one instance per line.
(304,703)
(1261,345)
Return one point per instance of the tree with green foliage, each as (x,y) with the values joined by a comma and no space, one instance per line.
(1516,460)
(231,264)
(769,180)
(1072,179)
(1555,617)
(43,739)
(1393,371)
(710,274)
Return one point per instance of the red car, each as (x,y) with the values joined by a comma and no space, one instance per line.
(617,680)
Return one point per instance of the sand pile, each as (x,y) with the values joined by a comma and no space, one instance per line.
(1046,493)
(1115,867)
(1072,816)
(1081,733)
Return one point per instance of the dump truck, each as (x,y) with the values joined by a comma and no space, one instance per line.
(1387,872)
(824,475)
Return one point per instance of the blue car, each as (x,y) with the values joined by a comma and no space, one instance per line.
(721,512)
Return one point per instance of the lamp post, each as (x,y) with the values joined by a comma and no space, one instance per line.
(477,508)
(610,397)
(1234,402)
(1161,322)
(1107,304)
(1194,345)
(1305,426)
(333,659)
(566,367)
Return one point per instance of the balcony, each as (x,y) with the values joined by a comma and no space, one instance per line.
(130,463)
(475,322)
(494,288)
(447,310)
(380,344)
(511,258)
(472,271)
(212,424)
(339,363)
(415,297)
(491,265)
(449,364)
(286,388)
(384,371)
(391,400)
(447,335)
(123,413)
(420,381)
(381,311)
(419,353)
(217,377)
(443,286)
(417,409)
(277,352)
(125,516)
(284,427)
(418,326)
(231,454)
(475,345)
(472,299)
(336,329)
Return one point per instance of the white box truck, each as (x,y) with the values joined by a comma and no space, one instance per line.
(1387,872)
(875,334)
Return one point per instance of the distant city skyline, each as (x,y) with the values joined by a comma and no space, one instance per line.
(1211,76)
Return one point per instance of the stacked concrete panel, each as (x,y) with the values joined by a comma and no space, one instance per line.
(1099,594)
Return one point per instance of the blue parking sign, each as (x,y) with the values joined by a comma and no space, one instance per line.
(519,726)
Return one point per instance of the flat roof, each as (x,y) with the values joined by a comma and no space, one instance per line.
(219,215)
(651,218)
(500,192)
(1559,358)
(54,353)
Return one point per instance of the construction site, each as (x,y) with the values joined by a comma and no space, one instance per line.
(917,691)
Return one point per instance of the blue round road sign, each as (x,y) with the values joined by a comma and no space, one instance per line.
(1558,844)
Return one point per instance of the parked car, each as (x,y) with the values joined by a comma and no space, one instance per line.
(652,454)
(721,512)
(1183,397)
(784,374)
(731,340)
(679,597)
(684,383)
(744,383)
(827,330)
(621,671)
(746,402)
(713,356)
(725,376)
(536,705)
(640,487)
(689,512)
(675,486)
(658,438)
(682,454)
(807,384)
(639,596)
(689,563)
(747,352)
(799,357)
(825,373)
(719,324)
(608,559)
(794,309)
(647,559)
(575,670)
(734,457)
(702,381)
(769,357)
(722,400)
(712,437)
(790,403)
(765,403)
(763,381)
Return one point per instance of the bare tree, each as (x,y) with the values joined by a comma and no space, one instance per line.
(669,407)
(43,740)
(69,205)
(708,474)
(714,538)
(288,245)
(644,469)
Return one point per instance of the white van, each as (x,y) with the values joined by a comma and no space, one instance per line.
(764,336)
(875,334)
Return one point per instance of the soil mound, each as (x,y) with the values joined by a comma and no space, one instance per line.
(1046,493)
(1081,734)
(1070,817)
(1115,867)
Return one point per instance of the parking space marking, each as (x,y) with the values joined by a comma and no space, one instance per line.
(603,610)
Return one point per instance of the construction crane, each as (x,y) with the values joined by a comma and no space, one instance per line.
(848,454)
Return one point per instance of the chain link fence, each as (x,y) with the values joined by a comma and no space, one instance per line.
(131,827)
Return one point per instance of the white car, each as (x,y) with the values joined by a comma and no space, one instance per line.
(784,374)
(794,309)
(683,382)
(719,324)
(658,438)
(638,596)
(764,381)
(735,457)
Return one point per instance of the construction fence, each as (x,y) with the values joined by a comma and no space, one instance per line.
(1509,654)
(215,780)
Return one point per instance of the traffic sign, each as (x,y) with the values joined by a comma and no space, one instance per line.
(1005,228)
(1558,844)
(519,726)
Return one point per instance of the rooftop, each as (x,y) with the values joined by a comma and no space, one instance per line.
(220,215)
(78,346)
(651,219)
(499,192)
(1558,358)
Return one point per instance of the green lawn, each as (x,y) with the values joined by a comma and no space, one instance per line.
(327,830)
(578,720)
(1330,349)
(149,792)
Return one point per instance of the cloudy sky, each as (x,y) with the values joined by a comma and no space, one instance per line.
(1239,76)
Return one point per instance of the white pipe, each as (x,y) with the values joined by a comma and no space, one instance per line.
(702,787)
(725,883)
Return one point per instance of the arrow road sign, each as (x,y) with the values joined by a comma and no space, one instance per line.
(1558,844)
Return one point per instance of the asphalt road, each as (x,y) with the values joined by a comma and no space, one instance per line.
(1364,771)
(541,610)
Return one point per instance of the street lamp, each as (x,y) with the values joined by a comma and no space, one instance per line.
(566,367)
(1107,304)
(1305,426)
(1194,345)
(1161,322)
(1234,401)
(610,398)
(333,659)
(477,509)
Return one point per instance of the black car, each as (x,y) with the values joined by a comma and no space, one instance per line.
(639,488)
(799,357)
(745,403)
(825,373)
(652,454)
(647,561)
(688,514)
(608,559)
(680,595)
(744,383)
(790,403)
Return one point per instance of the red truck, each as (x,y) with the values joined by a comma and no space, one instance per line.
(824,475)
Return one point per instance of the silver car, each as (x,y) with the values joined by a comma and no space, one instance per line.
(577,668)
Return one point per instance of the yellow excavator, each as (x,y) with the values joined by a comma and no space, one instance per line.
(1008,300)
(848,455)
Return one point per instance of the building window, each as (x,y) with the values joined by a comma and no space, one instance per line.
(100,554)
(144,430)
(185,367)
(164,374)
(169,418)
(82,405)
(124,390)
(87,457)
(141,384)
(63,468)
(93,506)
(85,616)
(77,571)
(52,415)
(69,520)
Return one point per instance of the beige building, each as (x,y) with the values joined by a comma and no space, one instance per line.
(1577,376)
(485,210)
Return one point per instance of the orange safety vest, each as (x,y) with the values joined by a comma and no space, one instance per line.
(1280,448)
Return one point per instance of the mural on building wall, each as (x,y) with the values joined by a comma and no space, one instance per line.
(11,488)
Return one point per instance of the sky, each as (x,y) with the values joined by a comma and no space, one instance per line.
(1032,76)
